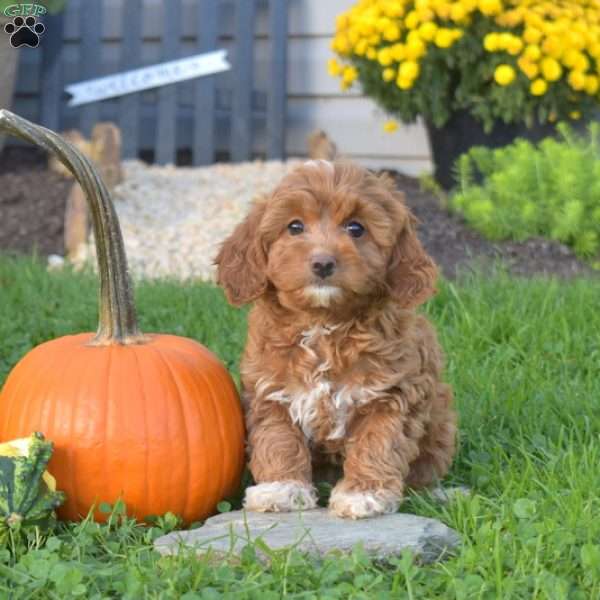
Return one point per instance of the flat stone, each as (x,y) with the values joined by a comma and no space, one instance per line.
(317,532)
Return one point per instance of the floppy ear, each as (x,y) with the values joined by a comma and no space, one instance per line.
(242,260)
(412,272)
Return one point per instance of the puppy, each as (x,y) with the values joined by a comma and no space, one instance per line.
(338,367)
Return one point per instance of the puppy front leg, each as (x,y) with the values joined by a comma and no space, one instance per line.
(279,462)
(378,455)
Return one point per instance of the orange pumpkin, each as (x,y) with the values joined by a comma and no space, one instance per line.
(152,419)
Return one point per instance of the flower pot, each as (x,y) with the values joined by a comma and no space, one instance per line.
(9,58)
(462,131)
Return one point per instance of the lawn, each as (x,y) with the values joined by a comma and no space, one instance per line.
(524,359)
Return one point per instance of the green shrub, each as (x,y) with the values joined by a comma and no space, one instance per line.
(524,190)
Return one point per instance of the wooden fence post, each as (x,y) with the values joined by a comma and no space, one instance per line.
(241,117)
(131,58)
(207,24)
(277,92)
(166,124)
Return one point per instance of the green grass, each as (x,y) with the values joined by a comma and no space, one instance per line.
(524,360)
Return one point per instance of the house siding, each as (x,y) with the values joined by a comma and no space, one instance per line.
(352,121)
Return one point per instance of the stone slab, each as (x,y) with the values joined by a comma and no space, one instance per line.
(317,532)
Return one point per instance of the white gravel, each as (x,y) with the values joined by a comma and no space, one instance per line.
(173,219)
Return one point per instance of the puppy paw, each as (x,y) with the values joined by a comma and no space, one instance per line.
(280,496)
(361,505)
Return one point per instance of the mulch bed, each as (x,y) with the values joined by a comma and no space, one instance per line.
(458,248)
(32,205)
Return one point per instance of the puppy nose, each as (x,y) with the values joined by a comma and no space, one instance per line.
(323,265)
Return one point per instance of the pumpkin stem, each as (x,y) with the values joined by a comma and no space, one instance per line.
(117,318)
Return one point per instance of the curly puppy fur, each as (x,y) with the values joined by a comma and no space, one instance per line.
(338,367)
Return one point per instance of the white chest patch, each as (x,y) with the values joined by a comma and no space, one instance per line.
(318,393)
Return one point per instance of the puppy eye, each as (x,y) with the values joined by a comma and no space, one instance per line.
(355,229)
(296,227)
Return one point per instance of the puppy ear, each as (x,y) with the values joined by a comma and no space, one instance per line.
(412,272)
(242,260)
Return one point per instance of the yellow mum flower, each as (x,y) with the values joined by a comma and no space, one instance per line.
(409,70)
(444,38)
(388,74)
(412,20)
(491,42)
(534,20)
(504,74)
(576,40)
(510,19)
(576,80)
(353,36)
(361,47)
(398,52)
(458,12)
(342,21)
(538,87)
(341,45)
(514,46)
(575,115)
(594,50)
(427,31)
(592,84)
(553,47)
(415,48)
(504,40)
(333,67)
(392,32)
(551,69)
(366,27)
(393,9)
(384,56)
(425,15)
(529,68)
(404,84)
(390,126)
(371,54)
(382,22)
(531,35)
(349,75)
(582,63)
(443,10)
(490,7)
(532,52)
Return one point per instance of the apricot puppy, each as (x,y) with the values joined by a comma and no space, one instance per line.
(338,367)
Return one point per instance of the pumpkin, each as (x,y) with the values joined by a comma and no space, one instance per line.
(154,420)
(28,493)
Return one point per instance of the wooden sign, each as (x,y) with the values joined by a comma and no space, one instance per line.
(146,78)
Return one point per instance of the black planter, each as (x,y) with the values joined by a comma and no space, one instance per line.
(461,132)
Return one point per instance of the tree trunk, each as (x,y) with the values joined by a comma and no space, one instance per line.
(9,58)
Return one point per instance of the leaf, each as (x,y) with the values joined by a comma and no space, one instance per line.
(105,508)
(524,508)
(590,556)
